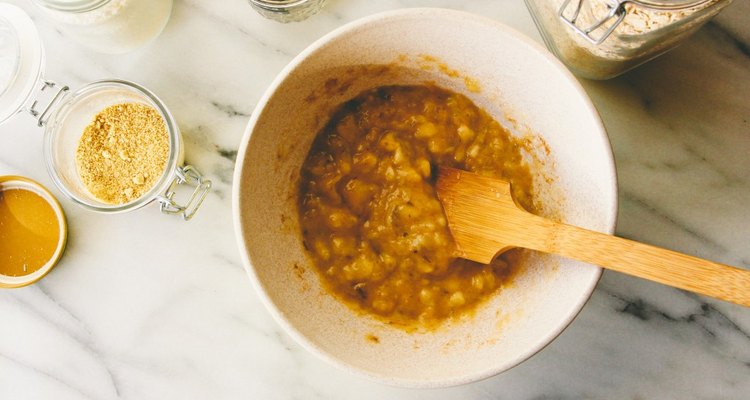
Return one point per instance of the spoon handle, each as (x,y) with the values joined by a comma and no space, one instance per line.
(650,262)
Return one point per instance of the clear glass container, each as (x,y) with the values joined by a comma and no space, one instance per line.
(65,114)
(11,182)
(600,39)
(287,10)
(66,124)
(109,26)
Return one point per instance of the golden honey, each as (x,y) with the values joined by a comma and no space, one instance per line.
(29,231)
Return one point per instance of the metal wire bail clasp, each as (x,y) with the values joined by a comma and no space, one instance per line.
(43,115)
(190,176)
(616,11)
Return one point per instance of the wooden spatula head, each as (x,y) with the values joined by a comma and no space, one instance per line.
(485,220)
(483,217)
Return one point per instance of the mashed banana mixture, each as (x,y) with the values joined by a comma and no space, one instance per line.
(370,218)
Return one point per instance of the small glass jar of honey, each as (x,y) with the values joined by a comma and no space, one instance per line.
(33,231)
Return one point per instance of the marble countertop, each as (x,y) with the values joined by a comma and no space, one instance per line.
(146,306)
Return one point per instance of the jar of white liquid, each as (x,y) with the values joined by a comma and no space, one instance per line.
(109,26)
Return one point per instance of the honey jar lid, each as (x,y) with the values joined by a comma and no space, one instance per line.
(21,59)
(33,231)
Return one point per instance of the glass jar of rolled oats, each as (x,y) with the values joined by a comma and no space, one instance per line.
(600,39)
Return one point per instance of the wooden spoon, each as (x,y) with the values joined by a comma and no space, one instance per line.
(485,220)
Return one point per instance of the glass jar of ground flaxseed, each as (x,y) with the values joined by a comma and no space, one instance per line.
(111,146)
(600,39)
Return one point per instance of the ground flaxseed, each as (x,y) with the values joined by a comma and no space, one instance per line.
(123,152)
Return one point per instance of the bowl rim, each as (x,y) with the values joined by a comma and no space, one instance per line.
(247,263)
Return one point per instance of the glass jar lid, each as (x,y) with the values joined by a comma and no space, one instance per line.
(598,27)
(74,6)
(21,59)
(670,4)
(9,48)
(278,3)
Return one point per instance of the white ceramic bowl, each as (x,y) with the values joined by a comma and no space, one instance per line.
(525,88)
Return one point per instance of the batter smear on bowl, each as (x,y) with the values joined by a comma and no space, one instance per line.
(371,220)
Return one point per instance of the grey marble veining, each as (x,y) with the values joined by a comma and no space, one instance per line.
(144,306)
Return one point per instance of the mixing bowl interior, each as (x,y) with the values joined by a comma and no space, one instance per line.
(516,81)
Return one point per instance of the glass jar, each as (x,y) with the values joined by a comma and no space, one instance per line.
(10,182)
(109,26)
(65,114)
(63,130)
(287,10)
(600,39)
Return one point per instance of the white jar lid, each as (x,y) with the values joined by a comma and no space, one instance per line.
(21,59)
